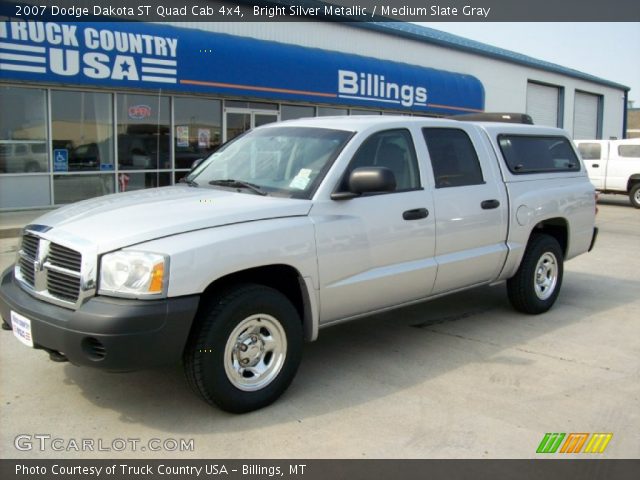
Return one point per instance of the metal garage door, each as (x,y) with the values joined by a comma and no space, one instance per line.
(542,104)
(586,116)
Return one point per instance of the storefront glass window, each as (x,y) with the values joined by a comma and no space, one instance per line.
(82,131)
(73,188)
(143,132)
(23,132)
(355,111)
(291,112)
(198,129)
(129,181)
(331,112)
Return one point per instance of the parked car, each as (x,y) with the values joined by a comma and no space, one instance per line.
(613,166)
(294,227)
(19,157)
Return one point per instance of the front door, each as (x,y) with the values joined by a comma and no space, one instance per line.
(239,120)
(377,250)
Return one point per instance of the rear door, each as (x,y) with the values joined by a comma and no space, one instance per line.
(595,157)
(470,207)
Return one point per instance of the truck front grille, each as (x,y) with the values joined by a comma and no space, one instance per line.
(48,269)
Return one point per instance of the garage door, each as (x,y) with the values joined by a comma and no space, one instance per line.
(586,116)
(542,104)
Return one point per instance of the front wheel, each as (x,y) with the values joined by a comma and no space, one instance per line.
(634,195)
(245,349)
(536,285)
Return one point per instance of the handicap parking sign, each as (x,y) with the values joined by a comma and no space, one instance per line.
(61,160)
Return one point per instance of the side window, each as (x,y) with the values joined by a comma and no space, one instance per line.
(453,158)
(392,149)
(590,151)
(538,154)
(631,151)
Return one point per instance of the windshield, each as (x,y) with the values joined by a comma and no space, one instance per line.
(288,161)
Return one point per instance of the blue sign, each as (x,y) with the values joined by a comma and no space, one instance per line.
(151,56)
(106,167)
(61,160)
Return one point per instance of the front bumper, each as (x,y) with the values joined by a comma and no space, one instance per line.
(107,333)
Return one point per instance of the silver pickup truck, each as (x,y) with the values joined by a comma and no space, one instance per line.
(291,228)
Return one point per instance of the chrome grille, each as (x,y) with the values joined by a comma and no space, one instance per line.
(27,270)
(64,257)
(30,246)
(63,286)
(50,270)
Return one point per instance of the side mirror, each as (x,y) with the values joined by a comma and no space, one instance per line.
(368,180)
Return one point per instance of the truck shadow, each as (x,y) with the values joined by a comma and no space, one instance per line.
(363,361)
(615,200)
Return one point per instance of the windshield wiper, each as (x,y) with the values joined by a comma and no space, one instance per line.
(191,183)
(230,182)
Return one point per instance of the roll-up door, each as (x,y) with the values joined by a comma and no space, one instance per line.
(586,116)
(542,104)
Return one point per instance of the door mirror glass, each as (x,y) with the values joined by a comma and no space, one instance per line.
(371,180)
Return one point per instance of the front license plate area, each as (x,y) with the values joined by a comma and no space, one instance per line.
(22,328)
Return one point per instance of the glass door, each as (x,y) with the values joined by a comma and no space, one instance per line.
(239,120)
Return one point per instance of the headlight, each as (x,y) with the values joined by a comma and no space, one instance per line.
(134,274)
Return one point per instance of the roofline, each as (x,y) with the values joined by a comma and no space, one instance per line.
(471,46)
(432,36)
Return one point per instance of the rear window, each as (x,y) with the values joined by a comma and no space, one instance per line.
(632,151)
(538,154)
(590,151)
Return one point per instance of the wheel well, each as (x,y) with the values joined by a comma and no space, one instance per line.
(633,179)
(557,228)
(283,278)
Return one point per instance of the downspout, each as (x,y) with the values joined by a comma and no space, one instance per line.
(624,119)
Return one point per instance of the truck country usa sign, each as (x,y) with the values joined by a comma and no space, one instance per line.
(151,56)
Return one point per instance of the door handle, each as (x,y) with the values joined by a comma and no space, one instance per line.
(415,214)
(595,165)
(489,204)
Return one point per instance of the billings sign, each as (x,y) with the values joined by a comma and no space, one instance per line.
(71,51)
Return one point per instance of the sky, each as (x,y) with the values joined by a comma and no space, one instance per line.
(606,50)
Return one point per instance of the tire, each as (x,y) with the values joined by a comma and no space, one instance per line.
(634,195)
(536,285)
(250,324)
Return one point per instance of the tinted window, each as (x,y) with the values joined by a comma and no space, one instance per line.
(534,154)
(629,151)
(590,151)
(453,158)
(392,149)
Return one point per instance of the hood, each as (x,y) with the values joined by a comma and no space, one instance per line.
(123,219)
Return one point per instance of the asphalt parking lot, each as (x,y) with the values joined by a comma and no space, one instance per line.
(460,377)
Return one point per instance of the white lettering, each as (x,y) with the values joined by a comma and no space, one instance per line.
(124,67)
(95,65)
(64,62)
(374,87)
(347,82)
(91,38)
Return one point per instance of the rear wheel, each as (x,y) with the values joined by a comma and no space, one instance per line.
(535,287)
(634,195)
(245,348)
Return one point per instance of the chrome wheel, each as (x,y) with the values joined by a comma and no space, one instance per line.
(255,352)
(546,275)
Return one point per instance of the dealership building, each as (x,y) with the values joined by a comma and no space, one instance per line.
(94,108)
